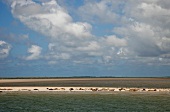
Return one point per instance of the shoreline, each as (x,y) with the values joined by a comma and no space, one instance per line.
(84,90)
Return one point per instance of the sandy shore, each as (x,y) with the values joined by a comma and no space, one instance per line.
(68,84)
(79,89)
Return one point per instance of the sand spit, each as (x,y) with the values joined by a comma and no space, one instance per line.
(80,89)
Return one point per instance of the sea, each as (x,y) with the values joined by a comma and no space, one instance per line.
(76,102)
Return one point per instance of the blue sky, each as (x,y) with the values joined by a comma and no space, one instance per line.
(122,38)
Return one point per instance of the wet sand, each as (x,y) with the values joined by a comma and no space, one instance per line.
(89,82)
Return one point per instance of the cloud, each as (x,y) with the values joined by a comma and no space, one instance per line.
(112,40)
(4,49)
(50,19)
(24,36)
(92,46)
(105,11)
(141,38)
(57,56)
(9,37)
(52,62)
(35,52)
(141,29)
(149,28)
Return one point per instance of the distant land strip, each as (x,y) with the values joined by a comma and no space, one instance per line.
(76,77)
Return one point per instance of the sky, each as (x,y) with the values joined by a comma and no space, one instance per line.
(62,38)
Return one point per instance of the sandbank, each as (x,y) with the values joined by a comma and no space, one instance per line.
(82,89)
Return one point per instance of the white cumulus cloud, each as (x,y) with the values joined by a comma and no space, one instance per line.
(115,41)
(4,49)
(35,52)
(50,19)
(141,29)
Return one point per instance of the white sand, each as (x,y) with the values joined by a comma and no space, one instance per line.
(81,89)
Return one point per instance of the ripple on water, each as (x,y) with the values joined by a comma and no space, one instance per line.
(84,102)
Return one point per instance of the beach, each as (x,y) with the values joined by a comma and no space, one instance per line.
(88,82)
(80,89)
(108,85)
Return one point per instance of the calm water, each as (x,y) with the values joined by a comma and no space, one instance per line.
(13,102)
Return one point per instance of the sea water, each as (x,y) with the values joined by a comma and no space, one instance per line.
(117,102)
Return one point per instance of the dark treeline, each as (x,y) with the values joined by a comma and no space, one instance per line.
(75,77)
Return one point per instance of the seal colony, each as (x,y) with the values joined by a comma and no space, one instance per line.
(80,89)
(83,85)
